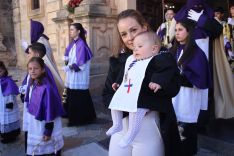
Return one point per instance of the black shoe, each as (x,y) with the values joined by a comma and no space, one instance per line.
(6,141)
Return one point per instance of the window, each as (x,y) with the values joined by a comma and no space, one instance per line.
(35,8)
(35,4)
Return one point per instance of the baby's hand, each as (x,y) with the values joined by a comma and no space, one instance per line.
(115,86)
(154,86)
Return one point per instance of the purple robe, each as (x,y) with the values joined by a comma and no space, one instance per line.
(8,86)
(45,102)
(183,12)
(208,13)
(37,30)
(161,33)
(83,53)
(196,69)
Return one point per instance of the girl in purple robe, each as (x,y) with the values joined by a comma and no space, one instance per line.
(44,111)
(9,111)
(196,79)
(78,105)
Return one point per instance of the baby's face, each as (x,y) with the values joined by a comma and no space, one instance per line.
(142,47)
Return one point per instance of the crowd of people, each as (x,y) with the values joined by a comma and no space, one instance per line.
(168,79)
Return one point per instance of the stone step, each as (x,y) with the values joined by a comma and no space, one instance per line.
(220,147)
(219,137)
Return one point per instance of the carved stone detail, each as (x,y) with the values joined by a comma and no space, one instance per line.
(2,47)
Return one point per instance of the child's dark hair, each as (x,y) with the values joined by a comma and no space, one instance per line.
(2,66)
(40,61)
(190,44)
(79,26)
(38,48)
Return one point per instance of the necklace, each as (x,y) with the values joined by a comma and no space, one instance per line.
(131,65)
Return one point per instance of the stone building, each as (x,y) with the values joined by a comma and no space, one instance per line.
(97,16)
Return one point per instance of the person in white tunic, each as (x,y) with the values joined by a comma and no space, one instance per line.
(77,57)
(9,111)
(44,111)
(163,30)
(196,79)
(35,50)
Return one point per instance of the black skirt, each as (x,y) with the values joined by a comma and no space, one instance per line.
(10,136)
(79,107)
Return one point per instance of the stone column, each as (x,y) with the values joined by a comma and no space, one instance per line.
(99,19)
(62,34)
(17,33)
(2,47)
(125,4)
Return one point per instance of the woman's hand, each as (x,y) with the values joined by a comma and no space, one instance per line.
(115,86)
(154,86)
(66,62)
(46,138)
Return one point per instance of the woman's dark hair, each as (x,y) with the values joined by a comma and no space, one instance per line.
(189,45)
(2,66)
(82,34)
(135,15)
(40,61)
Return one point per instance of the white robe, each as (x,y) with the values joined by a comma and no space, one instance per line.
(51,64)
(36,129)
(77,80)
(9,119)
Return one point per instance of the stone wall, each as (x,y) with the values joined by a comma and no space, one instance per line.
(6,25)
(22,16)
(98,17)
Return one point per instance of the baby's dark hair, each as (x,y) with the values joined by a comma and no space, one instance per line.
(38,48)
(40,61)
(2,66)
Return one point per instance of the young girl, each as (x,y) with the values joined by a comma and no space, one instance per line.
(79,105)
(9,111)
(44,108)
(196,79)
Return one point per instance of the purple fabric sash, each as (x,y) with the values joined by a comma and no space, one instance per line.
(45,102)
(197,69)
(83,52)
(8,86)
